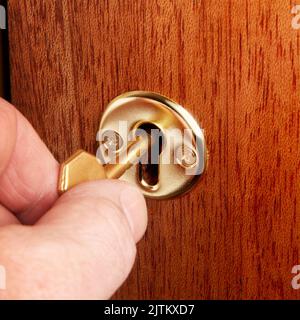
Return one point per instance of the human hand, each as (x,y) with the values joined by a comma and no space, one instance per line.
(78,246)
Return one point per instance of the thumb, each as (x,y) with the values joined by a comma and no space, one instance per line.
(84,247)
(109,199)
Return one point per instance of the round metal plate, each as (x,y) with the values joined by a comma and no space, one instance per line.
(178,175)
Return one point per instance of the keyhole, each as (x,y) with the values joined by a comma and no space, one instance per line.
(148,171)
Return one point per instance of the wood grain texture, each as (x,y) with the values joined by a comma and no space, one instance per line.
(235,65)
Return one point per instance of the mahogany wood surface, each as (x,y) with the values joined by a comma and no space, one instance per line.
(235,65)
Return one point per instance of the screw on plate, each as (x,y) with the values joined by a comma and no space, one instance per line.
(186,156)
(112,141)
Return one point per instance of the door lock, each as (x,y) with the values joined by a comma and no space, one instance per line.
(145,139)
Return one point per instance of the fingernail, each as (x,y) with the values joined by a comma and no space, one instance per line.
(134,206)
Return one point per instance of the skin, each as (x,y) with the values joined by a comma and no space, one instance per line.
(79,246)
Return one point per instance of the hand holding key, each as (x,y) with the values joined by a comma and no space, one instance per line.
(78,246)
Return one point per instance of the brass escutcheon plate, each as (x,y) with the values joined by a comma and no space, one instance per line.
(138,109)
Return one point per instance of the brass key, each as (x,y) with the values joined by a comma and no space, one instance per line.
(83,166)
(160,178)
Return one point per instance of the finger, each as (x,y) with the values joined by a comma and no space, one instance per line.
(6,217)
(28,171)
(83,248)
(128,199)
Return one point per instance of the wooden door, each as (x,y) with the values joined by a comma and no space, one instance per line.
(235,65)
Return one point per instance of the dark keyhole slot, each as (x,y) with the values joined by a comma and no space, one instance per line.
(149,173)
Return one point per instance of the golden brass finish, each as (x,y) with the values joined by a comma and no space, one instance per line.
(81,167)
(140,109)
(134,151)
(84,167)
